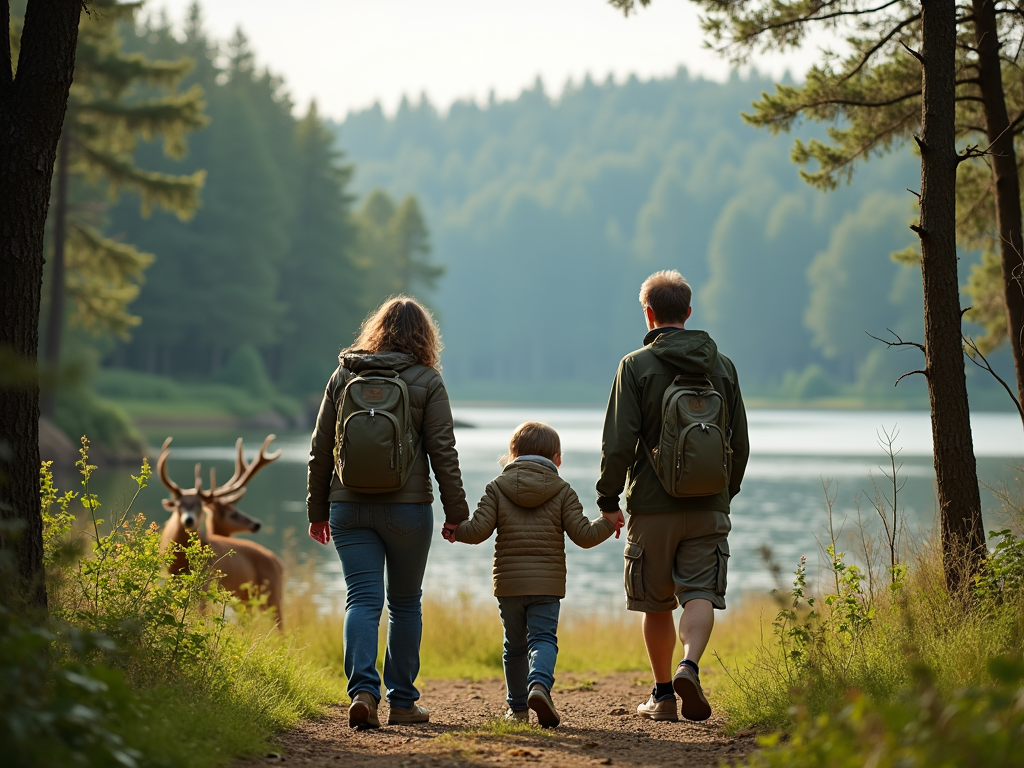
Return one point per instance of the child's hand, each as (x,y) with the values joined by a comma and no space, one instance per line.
(448,531)
(320,532)
(616,519)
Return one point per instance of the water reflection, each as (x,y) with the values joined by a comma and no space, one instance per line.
(781,504)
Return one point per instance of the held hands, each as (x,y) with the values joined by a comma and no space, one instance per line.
(320,532)
(616,519)
(448,531)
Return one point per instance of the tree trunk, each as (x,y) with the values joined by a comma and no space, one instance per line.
(955,468)
(32,107)
(55,322)
(1007,182)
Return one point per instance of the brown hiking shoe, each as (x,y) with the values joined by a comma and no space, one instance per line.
(686,684)
(403,716)
(362,712)
(659,709)
(522,715)
(540,702)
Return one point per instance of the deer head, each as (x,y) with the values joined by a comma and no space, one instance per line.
(188,504)
(225,518)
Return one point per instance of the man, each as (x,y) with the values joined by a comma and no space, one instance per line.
(677,549)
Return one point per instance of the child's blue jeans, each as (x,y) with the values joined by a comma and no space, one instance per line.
(531,644)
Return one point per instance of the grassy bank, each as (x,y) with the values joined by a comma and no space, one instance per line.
(885,665)
(136,668)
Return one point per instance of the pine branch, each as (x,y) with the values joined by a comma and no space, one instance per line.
(178,194)
(877,46)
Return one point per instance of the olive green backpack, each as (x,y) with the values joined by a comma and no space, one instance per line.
(375,446)
(693,456)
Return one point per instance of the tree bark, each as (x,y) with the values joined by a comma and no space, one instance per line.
(956,472)
(32,107)
(55,321)
(1007,181)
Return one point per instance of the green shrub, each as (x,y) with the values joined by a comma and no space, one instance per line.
(58,711)
(245,370)
(168,679)
(81,412)
(923,727)
(126,384)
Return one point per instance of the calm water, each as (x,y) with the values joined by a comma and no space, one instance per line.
(781,504)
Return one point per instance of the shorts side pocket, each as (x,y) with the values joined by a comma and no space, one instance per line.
(722,570)
(634,570)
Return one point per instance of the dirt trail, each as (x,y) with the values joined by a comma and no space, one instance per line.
(599,727)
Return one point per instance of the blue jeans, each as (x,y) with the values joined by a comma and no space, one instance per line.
(531,644)
(374,539)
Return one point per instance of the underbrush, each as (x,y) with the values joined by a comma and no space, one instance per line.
(138,668)
(147,395)
(888,666)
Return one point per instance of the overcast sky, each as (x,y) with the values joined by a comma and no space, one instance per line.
(350,53)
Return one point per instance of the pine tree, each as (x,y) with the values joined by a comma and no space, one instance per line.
(394,246)
(320,282)
(108,110)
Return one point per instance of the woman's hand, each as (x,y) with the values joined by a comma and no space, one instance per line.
(320,532)
(448,531)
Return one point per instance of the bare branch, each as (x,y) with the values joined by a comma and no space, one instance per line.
(899,341)
(972,346)
(909,373)
(912,52)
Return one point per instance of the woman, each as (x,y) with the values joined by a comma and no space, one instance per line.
(385,531)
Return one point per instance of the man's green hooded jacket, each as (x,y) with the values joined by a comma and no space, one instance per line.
(634,411)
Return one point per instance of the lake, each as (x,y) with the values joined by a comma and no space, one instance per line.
(781,504)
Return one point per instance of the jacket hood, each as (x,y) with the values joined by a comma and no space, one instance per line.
(684,351)
(357,360)
(529,483)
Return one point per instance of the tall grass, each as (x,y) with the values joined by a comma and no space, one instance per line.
(462,636)
(880,636)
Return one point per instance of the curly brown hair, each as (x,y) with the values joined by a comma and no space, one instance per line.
(401,324)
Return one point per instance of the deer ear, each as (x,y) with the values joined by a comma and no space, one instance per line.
(169,504)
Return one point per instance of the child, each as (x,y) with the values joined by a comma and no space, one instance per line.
(532,509)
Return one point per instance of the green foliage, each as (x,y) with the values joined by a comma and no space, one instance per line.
(116,99)
(973,726)
(58,711)
(137,667)
(1002,579)
(80,411)
(245,369)
(881,635)
(985,289)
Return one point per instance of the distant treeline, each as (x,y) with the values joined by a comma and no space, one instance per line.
(280,259)
(549,212)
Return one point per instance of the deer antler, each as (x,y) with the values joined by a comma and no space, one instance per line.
(239,480)
(161,469)
(204,495)
(227,497)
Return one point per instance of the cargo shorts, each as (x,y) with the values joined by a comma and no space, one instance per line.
(674,557)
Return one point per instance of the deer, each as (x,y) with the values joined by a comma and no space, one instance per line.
(245,566)
(223,517)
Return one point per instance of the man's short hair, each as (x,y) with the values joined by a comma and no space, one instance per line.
(668,295)
(534,438)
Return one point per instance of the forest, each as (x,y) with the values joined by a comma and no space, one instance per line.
(526,224)
(548,212)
